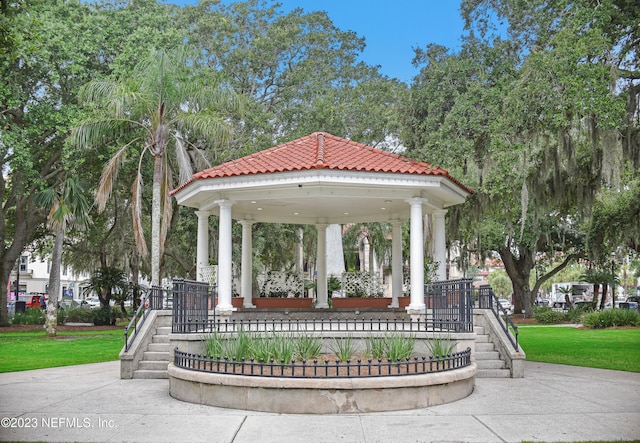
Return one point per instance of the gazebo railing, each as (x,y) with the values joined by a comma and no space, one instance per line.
(451,304)
(155,298)
(488,300)
(190,305)
(323,368)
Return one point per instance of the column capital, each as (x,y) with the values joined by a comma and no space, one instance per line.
(201,213)
(417,201)
(224,203)
(246,222)
(440,212)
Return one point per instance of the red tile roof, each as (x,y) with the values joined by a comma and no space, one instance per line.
(321,151)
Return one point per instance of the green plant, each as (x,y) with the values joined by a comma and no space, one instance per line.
(399,346)
(307,346)
(344,347)
(376,347)
(238,347)
(31,316)
(441,346)
(394,346)
(261,349)
(333,284)
(611,318)
(213,345)
(75,315)
(103,316)
(575,315)
(282,346)
(548,316)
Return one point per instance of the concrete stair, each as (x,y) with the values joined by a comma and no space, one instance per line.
(488,360)
(155,359)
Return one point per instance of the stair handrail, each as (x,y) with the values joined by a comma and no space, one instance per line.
(152,299)
(487,299)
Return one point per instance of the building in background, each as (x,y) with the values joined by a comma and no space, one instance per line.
(34,279)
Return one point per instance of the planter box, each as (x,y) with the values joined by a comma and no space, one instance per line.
(361,302)
(285,302)
(403,302)
(237,302)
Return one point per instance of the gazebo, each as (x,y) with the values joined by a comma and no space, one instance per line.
(321,179)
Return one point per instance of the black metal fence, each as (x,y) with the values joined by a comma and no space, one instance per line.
(154,298)
(451,304)
(191,303)
(357,324)
(488,300)
(323,368)
(449,309)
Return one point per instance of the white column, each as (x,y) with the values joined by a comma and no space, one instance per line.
(417,256)
(202,249)
(247,264)
(335,255)
(440,246)
(321,281)
(396,262)
(225,273)
(300,252)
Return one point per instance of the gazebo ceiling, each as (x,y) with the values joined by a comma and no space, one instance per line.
(321,178)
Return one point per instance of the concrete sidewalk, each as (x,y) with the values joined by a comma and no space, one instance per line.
(90,403)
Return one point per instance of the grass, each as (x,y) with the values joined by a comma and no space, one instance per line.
(22,351)
(617,349)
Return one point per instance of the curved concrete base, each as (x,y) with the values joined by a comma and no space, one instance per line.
(321,395)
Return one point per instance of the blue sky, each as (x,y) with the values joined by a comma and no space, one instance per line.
(390,28)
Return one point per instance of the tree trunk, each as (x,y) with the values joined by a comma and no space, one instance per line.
(519,271)
(51,321)
(156,216)
(5,271)
(603,299)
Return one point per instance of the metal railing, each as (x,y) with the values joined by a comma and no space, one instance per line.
(327,325)
(449,308)
(152,299)
(191,303)
(323,368)
(451,304)
(488,300)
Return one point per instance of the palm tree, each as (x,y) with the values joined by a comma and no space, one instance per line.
(106,282)
(67,205)
(162,105)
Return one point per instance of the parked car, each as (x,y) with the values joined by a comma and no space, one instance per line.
(92,302)
(633,299)
(505,304)
(31,300)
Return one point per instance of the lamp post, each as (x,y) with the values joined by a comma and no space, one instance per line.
(613,280)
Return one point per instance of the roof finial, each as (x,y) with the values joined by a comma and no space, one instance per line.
(320,146)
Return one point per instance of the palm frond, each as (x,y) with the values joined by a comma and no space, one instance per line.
(93,132)
(207,124)
(97,90)
(184,162)
(109,176)
(136,215)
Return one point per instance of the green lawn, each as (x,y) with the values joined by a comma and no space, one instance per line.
(608,349)
(21,351)
(602,348)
